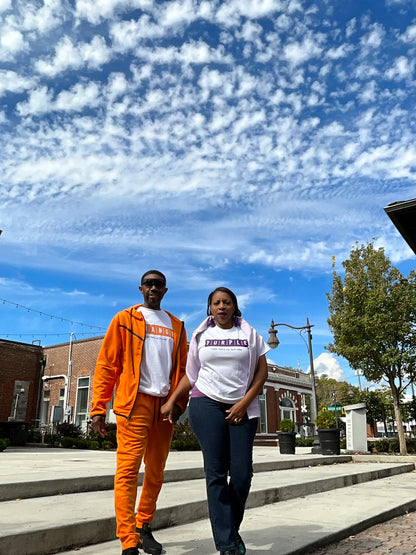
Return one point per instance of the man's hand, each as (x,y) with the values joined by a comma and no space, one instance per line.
(98,424)
(170,411)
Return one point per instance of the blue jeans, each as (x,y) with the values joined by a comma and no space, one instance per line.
(227,449)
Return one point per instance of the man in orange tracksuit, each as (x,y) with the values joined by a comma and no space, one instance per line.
(143,356)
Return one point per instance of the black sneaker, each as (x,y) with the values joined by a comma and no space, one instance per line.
(130,551)
(241,547)
(147,542)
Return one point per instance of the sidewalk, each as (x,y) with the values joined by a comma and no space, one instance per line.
(297,503)
(396,536)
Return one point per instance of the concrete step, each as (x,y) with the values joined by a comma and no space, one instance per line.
(296,526)
(60,483)
(43,525)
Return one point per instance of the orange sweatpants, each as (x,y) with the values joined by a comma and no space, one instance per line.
(143,436)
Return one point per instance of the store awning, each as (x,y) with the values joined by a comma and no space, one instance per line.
(403,215)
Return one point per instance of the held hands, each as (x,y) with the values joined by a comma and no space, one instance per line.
(170,412)
(98,424)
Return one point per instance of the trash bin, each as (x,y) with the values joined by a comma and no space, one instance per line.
(16,432)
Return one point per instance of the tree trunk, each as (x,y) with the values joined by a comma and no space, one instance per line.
(398,418)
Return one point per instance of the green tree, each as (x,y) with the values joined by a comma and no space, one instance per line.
(409,410)
(377,403)
(373,322)
(329,390)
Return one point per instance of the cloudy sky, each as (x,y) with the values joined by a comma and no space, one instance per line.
(238,143)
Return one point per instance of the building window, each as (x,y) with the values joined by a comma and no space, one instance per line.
(81,411)
(263,414)
(61,398)
(287,410)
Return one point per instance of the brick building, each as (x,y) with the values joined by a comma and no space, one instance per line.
(287,393)
(20,370)
(65,374)
(67,381)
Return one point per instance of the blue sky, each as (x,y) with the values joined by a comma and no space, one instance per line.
(227,143)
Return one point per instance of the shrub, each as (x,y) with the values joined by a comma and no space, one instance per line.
(411,446)
(183,438)
(67,442)
(4,443)
(394,445)
(111,434)
(325,420)
(34,436)
(92,436)
(67,429)
(52,439)
(287,425)
(107,442)
(381,445)
(304,442)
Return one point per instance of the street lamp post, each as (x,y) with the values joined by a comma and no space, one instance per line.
(273,342)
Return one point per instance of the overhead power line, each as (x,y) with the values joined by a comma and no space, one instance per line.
(51,316)
(41,334)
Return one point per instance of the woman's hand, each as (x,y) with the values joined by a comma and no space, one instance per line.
(236,413)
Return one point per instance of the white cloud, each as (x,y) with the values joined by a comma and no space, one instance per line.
(13,82)
(127,35)
(43,19)
(78,97)
(327,364)
(95,12)
(375,36)
(68,55)
(339,52)
(5,5)
(229,13)
(39,102)
(117,85)
(402,68)
(12,42)
(200,53)
(369,93)
(179,12)
(351,27)
(410,34)
(297,53)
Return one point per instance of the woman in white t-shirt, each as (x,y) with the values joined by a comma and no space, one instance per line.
(226,370)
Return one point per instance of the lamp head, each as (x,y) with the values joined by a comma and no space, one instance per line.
(273,341)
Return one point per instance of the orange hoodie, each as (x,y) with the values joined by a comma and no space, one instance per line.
(118,363)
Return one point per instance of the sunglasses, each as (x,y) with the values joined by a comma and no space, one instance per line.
(159,283)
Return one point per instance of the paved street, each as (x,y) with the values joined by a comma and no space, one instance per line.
(396,536)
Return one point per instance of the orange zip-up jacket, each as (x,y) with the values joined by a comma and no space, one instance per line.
(118,363)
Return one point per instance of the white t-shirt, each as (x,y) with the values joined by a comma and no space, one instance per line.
(224,358)
(156,363)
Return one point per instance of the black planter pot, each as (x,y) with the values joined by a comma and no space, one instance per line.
(287,442)
(329,440)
